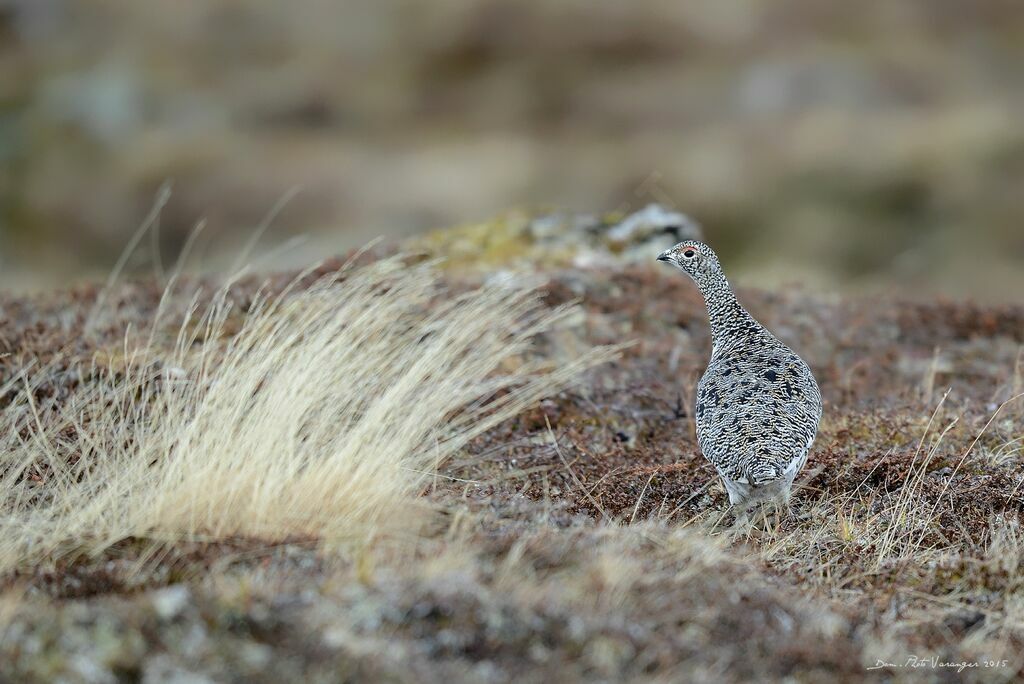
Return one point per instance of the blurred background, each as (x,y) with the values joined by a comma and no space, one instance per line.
(851,146)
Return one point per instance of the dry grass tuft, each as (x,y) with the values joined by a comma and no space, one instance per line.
(323,417)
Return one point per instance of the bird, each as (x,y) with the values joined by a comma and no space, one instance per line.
(758,404)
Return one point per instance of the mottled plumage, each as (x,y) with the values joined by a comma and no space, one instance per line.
(758,405)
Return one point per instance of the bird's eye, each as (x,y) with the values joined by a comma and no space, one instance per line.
(689,254)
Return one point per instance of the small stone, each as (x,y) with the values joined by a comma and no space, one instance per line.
(170,602)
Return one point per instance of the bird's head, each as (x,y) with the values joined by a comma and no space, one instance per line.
(695,259)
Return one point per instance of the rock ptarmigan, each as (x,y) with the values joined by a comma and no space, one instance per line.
(758,405)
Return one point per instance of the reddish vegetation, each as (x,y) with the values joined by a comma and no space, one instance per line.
(620,449)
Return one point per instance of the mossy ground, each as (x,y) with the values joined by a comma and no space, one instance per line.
(588,539)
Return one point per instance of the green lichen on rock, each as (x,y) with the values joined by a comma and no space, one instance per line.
(537,240)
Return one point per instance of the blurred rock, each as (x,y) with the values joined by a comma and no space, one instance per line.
(561,239)
(634,237)
(652,229)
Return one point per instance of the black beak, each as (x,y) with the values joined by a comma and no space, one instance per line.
(664,256)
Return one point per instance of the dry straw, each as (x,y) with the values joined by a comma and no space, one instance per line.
(323,417)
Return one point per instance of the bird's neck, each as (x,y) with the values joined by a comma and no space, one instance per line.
(729,320)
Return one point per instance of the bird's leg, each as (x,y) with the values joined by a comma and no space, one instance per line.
(718,522)
(742,520)
(749,515)
(778,515)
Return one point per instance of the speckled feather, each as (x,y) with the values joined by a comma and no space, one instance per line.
(758,405)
